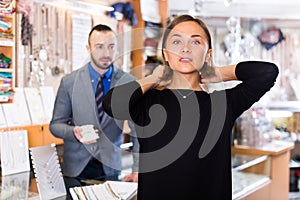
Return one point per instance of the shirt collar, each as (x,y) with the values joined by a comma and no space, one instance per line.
(95,74)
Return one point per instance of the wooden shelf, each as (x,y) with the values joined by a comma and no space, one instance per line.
(278,153)
(9,14)
(272,148)
(6,98)
(6,43)
(7,47)
(38,135)
(7,70)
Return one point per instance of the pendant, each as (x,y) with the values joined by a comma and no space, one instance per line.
(184,97)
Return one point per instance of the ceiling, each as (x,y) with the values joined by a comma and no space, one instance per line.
(267,9)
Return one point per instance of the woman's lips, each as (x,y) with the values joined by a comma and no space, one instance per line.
(185,60)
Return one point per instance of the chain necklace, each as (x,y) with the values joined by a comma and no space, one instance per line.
(184,96)
(188,94)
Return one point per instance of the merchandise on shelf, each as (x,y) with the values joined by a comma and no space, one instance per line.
(4,61)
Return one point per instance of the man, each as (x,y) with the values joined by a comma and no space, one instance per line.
(76,106)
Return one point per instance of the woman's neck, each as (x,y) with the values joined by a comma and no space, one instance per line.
(185,81)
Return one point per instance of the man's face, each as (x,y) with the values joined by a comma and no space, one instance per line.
(103,48)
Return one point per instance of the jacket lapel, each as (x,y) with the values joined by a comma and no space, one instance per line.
(83,91)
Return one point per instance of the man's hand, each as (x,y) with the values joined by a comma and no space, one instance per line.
(133,177)
(78,132)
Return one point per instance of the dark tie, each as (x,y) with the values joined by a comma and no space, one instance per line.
(99,98)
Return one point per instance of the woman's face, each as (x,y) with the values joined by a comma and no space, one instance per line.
(186,47)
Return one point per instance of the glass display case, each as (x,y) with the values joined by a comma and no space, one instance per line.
(261,172)
(249,173)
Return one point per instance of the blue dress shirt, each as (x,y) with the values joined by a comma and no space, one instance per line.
(105,80)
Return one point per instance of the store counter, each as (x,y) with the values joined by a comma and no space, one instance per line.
(24,186)
(266,175)
(257,173)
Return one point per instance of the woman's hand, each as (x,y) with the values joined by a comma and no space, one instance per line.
(215,77)
(225,73)
(153,80)
(158,73)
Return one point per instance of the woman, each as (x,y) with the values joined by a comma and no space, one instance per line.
(184,131)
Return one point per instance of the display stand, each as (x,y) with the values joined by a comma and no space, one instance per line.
(278,153)
(31,110)
(7,51)
(47,171)
(15,186)
(14,152)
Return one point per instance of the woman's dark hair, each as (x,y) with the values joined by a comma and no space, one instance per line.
(207,68)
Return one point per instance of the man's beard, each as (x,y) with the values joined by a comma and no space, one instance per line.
(98,65)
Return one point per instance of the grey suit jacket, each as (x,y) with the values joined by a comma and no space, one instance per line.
(75,106)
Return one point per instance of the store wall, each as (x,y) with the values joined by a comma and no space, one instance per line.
(56,38)
(283,53)
(62,33)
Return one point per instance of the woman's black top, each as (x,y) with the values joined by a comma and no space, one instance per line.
(185,143)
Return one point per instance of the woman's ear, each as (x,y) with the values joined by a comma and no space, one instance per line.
(165,52)
(208,56)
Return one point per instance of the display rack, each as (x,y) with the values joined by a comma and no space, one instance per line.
(268,171)
(7,53)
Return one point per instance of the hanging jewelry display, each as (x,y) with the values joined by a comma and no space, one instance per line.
(81,24)
(47,171)
(14,152)
(16,113)
(35,105)
(15,186)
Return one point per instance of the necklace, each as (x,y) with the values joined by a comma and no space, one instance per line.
(184,96)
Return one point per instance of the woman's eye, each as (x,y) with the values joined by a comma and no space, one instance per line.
(176,42)
(195,42)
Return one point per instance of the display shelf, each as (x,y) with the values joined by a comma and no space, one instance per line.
(7,49)
(8,15)
(267,161)
(6,98)
(38,135)
(6,42)
(241,162)
(7,70)
(250,173)
(293,106)
(247,183)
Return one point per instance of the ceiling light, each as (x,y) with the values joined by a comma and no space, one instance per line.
(79,6)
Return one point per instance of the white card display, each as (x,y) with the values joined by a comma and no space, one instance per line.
(3,123)
(88,133)
(35,105)
(15,186)
(109,190)
(17,113)
(14,152)
(48,99)
(81,26)
(47,171)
